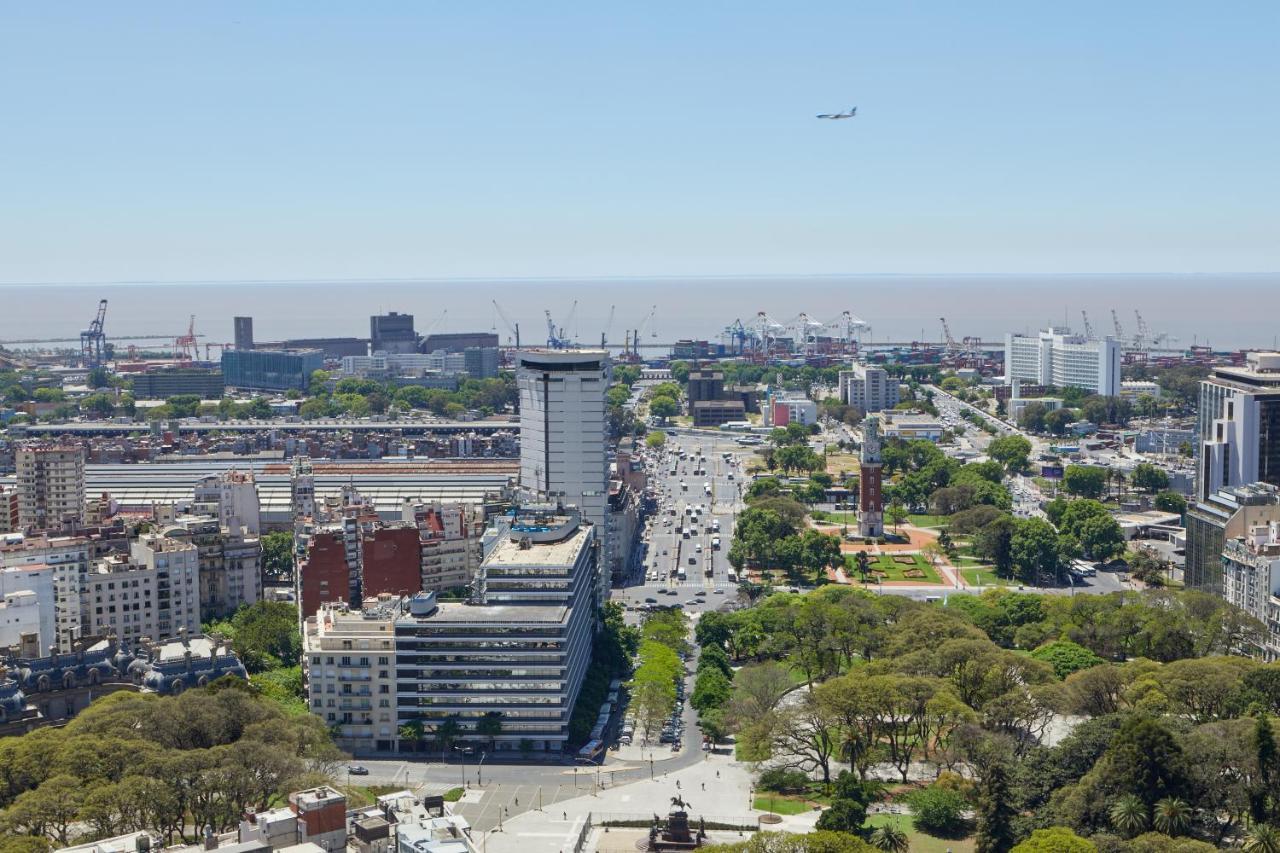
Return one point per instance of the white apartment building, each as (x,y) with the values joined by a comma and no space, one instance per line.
(351,673)
(36,580)
(154,593)
(1251,580)
(67,560)
(404,363)
(233,497)
(19,615)
(1240,425)
(870,389)
(50,487)
(1065,360)
(564,435)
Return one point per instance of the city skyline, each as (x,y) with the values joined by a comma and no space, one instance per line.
(241,143)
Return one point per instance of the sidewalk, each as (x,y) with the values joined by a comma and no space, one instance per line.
(555,828)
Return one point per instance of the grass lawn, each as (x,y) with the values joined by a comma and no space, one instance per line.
(781,804)
(835,517)
(366,795)
(842,464)
(922,842)
(453,795)
(930,520)
(894,570)
(983,576)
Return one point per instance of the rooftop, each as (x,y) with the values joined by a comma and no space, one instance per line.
(525,545)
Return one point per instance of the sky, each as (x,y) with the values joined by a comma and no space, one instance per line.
(382,140)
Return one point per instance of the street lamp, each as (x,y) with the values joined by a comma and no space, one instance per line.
(480,768)
(462,758)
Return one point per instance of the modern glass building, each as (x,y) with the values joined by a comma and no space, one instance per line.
(271,370)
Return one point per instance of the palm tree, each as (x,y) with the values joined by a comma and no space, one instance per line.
(864,565)
(890,838)
(447,732)
(1172,816)
(1129,815)
(1263,838)
(413,732)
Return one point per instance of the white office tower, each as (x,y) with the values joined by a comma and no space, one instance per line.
(564,436)
(1059,358)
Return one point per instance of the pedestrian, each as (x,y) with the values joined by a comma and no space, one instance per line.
(704,786)
(566,815)
(517,801)
(717,774)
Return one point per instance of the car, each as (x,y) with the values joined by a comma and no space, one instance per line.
(672,592)
(719,592)
(358,770)
(662,590)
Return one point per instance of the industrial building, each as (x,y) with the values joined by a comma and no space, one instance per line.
(392,333)
(459,341)
(1064,360)
(171,382)
(271,370)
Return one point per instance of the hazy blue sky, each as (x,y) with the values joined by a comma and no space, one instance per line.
(295,140)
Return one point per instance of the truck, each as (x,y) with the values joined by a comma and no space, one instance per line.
(715,543)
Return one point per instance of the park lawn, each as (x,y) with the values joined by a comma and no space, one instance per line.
(453,795)
(781,804)
(930,520)
(835,517)
(894,571)
(921,841)
(983,576)
(842,464)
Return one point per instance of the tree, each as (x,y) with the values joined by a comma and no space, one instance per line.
(1172,816)
(1056,839)
(994,809)
(890,838)
(490,726)
(1171,502)
(1033,550)
(277,554)
(1056,422)
(1102,538)
(1263,838)
(663,408)
(1145,760)
(50,809)
(446,732)
(655,439)
(1087,481)
(896,513)
(1066,657)
(265,635)
(1011,451)
(843,816)
(939,811)
(1032,416)
(711,690)
(994,542)
(1149,478)
(805,736)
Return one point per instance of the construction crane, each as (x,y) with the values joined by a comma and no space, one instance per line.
(1142,338)
(513,328)
(93,340)
(953,348)
(1115,320)
(186,347)
(1088,327)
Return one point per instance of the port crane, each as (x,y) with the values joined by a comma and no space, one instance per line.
(1088,327)
(953,348)
(558,338)
(93,340)
(513,328)
(187,347)
(608,327)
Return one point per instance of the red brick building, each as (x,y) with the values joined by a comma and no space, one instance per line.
(392,561)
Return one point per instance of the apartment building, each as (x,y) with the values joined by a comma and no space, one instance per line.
(50,487)
(1065,360)
(1251,580)
(351,679)
(66,559)
(34,580)
(9,519)
(153,592)
(515,653)
(230,563)
(450,539)
(868,388)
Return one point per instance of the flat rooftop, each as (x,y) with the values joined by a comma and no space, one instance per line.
(511,614)
(508,551)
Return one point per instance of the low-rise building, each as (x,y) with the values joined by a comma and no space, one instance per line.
(713,413)
(908,427)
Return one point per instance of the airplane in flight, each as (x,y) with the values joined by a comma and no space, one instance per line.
(836,116)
